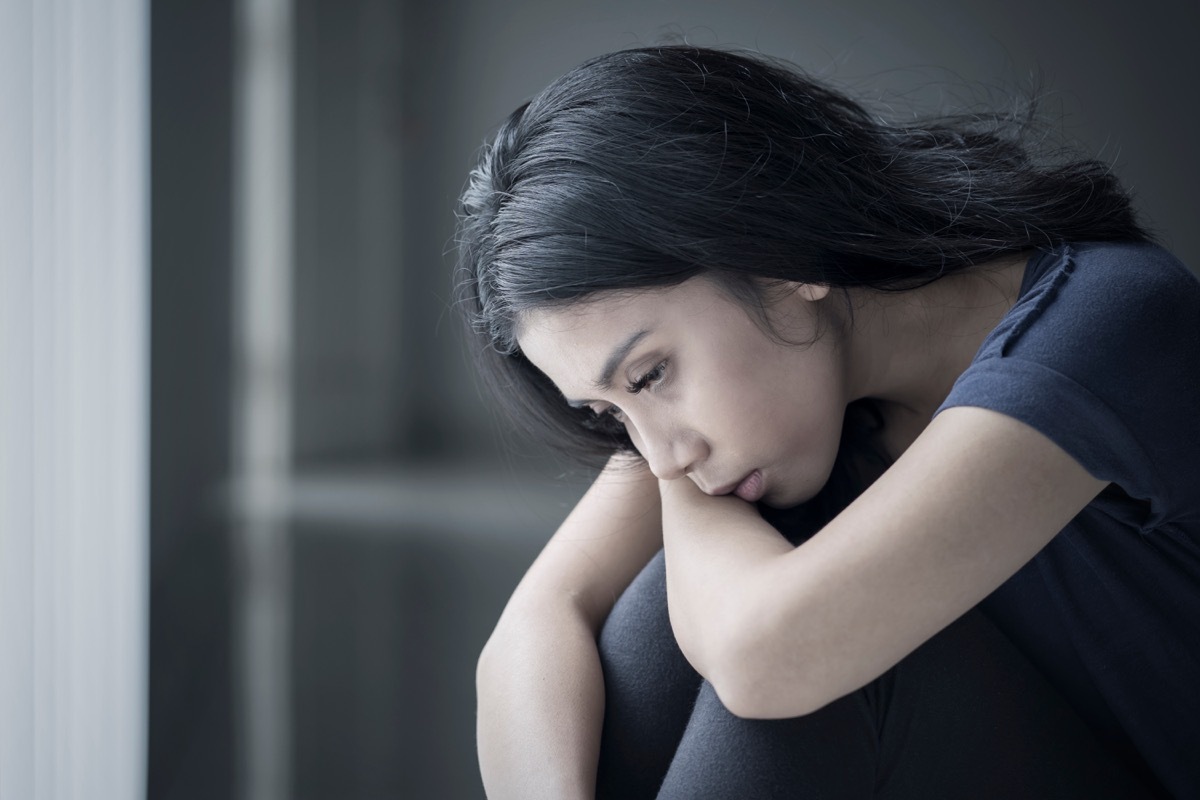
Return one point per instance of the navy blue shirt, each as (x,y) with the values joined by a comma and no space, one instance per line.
(1101,353)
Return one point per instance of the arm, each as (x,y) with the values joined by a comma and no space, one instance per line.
(539,684)
(781,632)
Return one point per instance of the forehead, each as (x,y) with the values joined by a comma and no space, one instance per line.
(571,342)
(604,316)
(595,313)
(576,335)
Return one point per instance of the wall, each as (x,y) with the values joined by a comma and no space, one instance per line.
(405,547)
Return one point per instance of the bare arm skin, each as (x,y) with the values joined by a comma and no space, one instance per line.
(539,685)
(782,631)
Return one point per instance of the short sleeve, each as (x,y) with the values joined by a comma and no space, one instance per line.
(1102,355)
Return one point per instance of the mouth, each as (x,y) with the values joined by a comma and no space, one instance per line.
(750,488)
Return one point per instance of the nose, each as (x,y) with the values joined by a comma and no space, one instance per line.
(671,454)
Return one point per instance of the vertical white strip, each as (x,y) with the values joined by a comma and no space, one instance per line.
(73,398)
(262,386)
(129,317)
(16,403)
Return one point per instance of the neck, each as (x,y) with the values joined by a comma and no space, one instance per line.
(906,349)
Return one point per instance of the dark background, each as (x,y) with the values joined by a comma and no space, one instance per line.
(411,521)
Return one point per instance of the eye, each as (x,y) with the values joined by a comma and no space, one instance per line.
(649,378)
(614,412)
(607,419)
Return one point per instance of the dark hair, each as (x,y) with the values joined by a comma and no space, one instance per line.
(649,166)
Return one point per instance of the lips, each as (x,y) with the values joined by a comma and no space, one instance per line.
(750,488)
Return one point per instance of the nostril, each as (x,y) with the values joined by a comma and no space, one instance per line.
(672,455)
(666,473)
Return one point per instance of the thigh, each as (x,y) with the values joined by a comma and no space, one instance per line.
(649,688)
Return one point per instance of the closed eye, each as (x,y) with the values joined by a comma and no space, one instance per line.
(648,378)
(615,412)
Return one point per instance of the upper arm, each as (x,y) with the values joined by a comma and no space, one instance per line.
(604,542)
(1105,360)
(1094,378)
(976,496)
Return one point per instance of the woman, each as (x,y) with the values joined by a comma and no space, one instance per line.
(962,380)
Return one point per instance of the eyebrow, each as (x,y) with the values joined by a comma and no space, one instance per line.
(620,353)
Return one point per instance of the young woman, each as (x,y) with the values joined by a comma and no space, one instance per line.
(910,413)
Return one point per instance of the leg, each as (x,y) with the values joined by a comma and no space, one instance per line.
(963,716)
(649,689)
(968,714)
(828,754)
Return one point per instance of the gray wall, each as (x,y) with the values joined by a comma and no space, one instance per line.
(392,597)
(191,670)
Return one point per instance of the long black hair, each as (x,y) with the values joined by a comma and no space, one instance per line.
(646,167)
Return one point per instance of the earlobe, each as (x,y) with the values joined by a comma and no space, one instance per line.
(812,292)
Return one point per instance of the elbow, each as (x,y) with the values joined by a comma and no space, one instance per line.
(501,652)
(753,692)
(761,674)
(485,666)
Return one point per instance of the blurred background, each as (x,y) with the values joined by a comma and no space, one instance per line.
(335,522)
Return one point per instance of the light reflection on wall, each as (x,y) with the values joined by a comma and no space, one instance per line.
(262,259)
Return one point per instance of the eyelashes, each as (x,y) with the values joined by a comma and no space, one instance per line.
(648,378)
(605,419)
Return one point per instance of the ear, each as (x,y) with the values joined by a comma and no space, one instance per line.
(812,292)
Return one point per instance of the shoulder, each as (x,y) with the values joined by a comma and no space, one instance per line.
(1094,309)
(1101,354)
(1129,265)
(1144,264)
(1101,294)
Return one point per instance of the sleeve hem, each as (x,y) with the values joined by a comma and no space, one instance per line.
(1068,414)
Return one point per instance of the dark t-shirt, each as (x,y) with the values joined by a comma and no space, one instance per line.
(1101,353)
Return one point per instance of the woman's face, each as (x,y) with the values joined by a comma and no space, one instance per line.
(701,388)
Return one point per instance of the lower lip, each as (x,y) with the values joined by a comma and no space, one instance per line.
(751,489)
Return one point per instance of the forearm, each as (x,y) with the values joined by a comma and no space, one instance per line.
(541,706)
(540,688)
(786,630)
(718,549)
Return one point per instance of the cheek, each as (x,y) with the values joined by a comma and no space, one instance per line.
(801,411)
(749,407)
(782,394)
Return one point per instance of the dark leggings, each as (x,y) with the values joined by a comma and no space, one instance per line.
(964,716)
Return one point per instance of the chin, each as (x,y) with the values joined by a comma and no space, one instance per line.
(778,501)
(789,497)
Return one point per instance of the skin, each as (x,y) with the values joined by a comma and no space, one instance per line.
(722,400)
(973,495)
(539,685)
